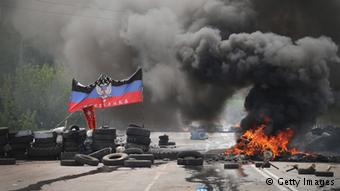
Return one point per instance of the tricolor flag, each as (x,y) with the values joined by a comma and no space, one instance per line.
(106,92)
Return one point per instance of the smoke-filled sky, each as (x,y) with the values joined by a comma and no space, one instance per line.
(197,54)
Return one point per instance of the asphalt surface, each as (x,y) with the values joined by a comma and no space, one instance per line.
(163,175)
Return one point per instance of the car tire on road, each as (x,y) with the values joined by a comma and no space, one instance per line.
(86,159)
(70,162)
(115,159)
(101,153)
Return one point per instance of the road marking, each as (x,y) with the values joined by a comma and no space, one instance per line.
(267,174)
(156,178)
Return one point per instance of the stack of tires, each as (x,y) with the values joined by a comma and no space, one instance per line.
(44,146)
(19,142)
(3,140)
(163,140)
(73,139)
(137,137)
(103,138)
(190,158)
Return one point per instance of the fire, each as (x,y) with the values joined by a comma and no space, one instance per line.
(255,141)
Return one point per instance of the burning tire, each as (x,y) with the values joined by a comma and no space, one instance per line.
(101,153)
(231,166)
(7,161)
(70,163)
(86,159)
(149,157)
(115,159)
(137,163)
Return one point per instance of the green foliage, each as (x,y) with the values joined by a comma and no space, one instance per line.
(34,97)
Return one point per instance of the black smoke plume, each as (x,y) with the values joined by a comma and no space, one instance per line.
(289,79)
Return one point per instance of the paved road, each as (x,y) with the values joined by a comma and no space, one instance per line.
(50,176)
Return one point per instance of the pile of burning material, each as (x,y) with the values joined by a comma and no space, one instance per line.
(254,142)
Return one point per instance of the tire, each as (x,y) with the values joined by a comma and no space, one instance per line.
(71,149)
(138,140)
(101,153)
(137,163)
(105,131)
(193,161)
(3,140)
(19,156)
(115,159)
(43,134)
(104,137)
(86,159)
(306,171)
(45,140)
(67,155)
(149,157)
(70,163)
(49,152)
(231,166)
(75,135)
(23,139)
(130,151)
(44,145)
(163,143)
(145,148)
(71,144)
(180,161)
(98,145)
(136,131)
(21,133)
(7,161)
(4,131)
(164,153)
(324,173)
(164,137)
(19,146)
(194,154)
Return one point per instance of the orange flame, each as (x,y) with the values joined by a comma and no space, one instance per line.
(255,141)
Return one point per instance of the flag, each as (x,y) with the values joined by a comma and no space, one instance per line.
(90,116)
(106,92)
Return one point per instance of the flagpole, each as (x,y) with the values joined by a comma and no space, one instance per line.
(64,119)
